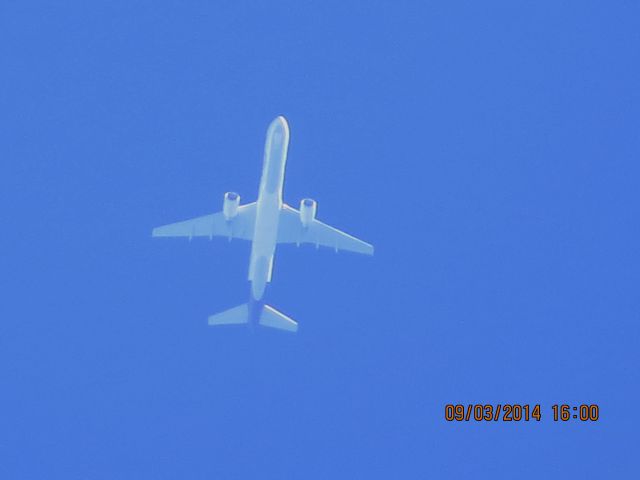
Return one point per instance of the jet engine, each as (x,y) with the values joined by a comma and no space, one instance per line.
(230,205)
(308,208)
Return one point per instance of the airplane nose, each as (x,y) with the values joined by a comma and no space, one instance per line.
(280,123)
(279,130)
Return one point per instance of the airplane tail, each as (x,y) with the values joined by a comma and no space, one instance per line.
(267,316)
(270,317)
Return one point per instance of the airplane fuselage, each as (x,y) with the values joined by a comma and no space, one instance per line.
(269,204)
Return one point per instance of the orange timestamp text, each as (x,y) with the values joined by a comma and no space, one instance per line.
(515,412)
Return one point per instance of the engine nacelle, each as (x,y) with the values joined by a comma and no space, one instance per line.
(230,205)
(308,208)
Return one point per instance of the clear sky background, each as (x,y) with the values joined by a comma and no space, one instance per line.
(489,151)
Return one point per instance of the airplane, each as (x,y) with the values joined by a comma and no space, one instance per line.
(265,223)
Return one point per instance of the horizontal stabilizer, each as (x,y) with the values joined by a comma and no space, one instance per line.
(270,317)
(233,316)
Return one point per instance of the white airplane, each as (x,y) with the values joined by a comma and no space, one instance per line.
(265,223)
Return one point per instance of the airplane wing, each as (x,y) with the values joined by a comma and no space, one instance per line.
(290,230)
(213,225)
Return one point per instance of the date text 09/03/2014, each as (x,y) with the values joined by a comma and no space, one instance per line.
(515,412)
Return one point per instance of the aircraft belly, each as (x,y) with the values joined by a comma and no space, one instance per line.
(275,156)
(262,267)
(264,242)
(268,208)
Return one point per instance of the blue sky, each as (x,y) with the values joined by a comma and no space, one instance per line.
(488,149)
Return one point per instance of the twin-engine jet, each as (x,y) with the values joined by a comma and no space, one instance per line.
(266,223)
